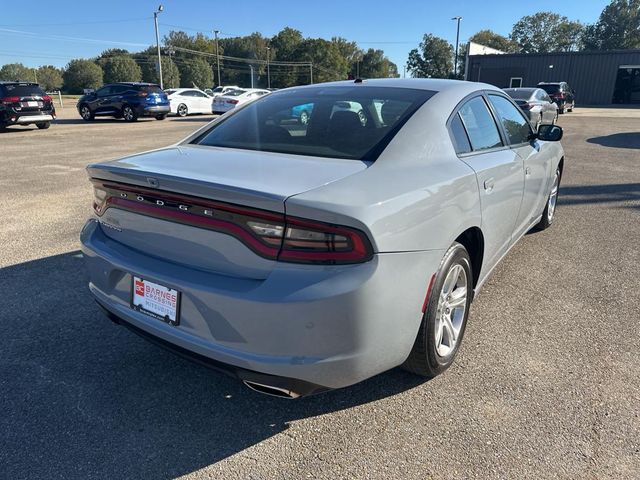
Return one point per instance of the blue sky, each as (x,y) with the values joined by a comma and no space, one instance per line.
(33,38)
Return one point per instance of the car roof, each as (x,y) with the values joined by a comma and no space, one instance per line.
(522,89)
(16,82)
(550,83)
(138,84)
(432,84)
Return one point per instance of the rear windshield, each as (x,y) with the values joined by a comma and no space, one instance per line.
(550,88)
(520,94)
(150,89)
(352,122)
(235,93)
(23,90)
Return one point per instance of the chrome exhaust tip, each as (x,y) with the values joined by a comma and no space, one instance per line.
(270,390)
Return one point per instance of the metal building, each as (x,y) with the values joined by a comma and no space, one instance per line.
(598,78)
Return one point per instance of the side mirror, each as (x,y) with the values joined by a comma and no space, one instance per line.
(550,133)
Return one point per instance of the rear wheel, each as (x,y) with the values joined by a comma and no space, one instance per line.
(161,117)
(43,125)
(445,316)
(550,208)
(86,113)
(129,114)
(183,111)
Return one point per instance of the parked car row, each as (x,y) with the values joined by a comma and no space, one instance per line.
(543,104)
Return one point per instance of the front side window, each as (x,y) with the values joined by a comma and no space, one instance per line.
(479,124)
(515,124)
(282,123)
(104,92)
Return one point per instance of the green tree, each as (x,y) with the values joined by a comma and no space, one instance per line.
(375,64)
(617,28)
(491,39)
(284,44)
(170,72)
(432,58)
(328,61)
(545,32)
(110,53)
(50,78)
(196,72)
(81,74)
(121,69)
(17,71)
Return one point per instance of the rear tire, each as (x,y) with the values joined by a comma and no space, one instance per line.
(43,125)
(183,110)
(129,114)
(161,117)
(445,317)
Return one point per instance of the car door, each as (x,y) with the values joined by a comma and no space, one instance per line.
(116,98)
(204,102)
(550,108)
(102,102)
(499,173)
(537,164)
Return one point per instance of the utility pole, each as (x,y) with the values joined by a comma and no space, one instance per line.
(251,67)
(155,20)
(311,72)
(404,71)
(268,71)
(216,32)
(455,63)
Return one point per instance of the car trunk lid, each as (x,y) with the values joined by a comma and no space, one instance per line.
(189,180)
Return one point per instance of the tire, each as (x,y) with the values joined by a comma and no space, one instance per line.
(304,117)
(43,125)
(561,108)
(161,117)
(430,356)
(183,110)
(129,114)
(86,113)
(555,119)
(550,208)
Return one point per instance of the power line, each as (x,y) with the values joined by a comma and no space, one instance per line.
(7,31)
(131,20)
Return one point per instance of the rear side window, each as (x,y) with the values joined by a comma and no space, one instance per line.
(479,124)
(150,89)
(23,90)
(459,135)
(517,127)
(337,121)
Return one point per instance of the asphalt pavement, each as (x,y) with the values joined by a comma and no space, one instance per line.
(546,384)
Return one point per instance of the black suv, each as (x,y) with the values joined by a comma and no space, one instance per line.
(125,100)
(24,103)
(561,93)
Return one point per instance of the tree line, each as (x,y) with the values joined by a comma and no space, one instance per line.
(618,27)
(189,60)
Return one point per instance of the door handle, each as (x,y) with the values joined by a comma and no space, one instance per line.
(489,183)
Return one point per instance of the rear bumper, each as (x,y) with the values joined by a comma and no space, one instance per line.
(330,326)
(22,119)
(152,110)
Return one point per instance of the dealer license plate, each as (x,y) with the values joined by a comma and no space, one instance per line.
(155,300)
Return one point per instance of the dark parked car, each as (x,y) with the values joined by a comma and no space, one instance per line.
(125,100)
(561,93)
(25,103)
(536,104)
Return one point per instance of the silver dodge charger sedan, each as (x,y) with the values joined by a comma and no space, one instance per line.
(303,257)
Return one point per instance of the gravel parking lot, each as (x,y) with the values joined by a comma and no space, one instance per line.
(546,385)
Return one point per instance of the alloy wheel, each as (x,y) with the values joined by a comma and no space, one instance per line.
(182,110)
(452,305)
(86,113)
(127,113)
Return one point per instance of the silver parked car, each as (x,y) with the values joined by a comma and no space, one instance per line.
(536,103)
(307,257)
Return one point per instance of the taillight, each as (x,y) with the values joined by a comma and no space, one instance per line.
(559,96)
(46,98)
(268,234)
(142,94)
(308,241)
(232,102)
(10,100)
